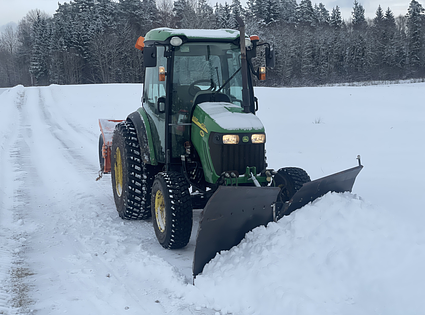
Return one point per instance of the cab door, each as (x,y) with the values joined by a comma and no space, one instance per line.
(154,99)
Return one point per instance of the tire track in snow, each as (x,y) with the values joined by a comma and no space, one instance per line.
(15,272)
(58,128)
(68,234)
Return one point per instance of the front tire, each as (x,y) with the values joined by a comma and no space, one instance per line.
(290,180)
(171,208)
(131,178)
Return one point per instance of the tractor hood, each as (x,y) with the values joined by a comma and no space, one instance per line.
(225,117)
(211,123)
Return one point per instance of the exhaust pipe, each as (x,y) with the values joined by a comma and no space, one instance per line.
(246,99)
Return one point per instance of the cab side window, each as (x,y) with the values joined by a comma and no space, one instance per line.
(154,89)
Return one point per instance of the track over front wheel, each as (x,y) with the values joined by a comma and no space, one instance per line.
(290,180)
(131,178)
(171,208)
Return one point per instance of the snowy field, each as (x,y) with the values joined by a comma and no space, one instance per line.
(63,248)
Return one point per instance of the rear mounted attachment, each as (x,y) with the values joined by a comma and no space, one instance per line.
(107,127)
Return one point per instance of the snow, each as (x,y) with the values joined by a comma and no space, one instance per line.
(222,114)
(64,249)
(205,33)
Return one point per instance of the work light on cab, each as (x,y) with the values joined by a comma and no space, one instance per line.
(176,41)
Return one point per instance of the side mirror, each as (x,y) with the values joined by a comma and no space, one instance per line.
(161,105)
(270,57)
(149,56)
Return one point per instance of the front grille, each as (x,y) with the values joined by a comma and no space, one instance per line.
(236,157)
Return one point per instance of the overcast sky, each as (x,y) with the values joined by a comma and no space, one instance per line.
(15,10)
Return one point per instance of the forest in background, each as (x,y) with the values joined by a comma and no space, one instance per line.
(92,41)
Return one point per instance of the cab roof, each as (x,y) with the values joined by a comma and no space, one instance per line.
(162,34)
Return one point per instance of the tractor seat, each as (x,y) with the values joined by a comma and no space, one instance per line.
(208,96)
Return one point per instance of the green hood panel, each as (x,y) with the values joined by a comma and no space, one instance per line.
(225,117)
(219,117)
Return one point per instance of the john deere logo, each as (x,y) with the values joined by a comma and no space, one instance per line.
(245,138)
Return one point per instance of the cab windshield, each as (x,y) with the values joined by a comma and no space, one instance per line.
(206,66)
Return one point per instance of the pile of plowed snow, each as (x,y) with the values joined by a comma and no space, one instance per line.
(338,255)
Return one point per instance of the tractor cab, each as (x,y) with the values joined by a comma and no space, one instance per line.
(183,71)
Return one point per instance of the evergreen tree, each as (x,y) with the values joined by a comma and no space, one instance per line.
(378,21)
(322,15)
(270,13)
(335,19)
(205,14)
(378,47)
(305,13)
(358,17)
(392,47)
(223,15)
(184,14)
(415,37)
(288,11)
(39,66)
(237,10)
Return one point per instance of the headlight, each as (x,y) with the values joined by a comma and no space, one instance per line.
(258,138)
(230,139)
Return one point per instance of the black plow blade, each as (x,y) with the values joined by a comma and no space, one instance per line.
(230,214)
(338,182)
(234,211)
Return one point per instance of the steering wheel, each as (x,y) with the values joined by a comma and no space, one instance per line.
(193,88)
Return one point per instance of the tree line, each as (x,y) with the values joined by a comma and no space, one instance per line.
(92,41)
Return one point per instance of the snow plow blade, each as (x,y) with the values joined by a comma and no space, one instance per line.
(230,213)
(338,182)
(234,211)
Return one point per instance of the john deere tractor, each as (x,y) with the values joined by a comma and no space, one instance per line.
(196,142)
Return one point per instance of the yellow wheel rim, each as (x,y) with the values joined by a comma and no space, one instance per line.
(160,211)
(118,172)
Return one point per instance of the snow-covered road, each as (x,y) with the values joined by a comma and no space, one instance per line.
(65,237)
(64,249)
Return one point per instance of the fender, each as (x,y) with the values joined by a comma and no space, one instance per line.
(143,130)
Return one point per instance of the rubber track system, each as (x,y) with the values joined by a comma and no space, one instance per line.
(179,210)
(134,203)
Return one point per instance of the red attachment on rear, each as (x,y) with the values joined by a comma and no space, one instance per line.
(107,127)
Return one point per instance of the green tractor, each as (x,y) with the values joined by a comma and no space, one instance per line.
(196,143)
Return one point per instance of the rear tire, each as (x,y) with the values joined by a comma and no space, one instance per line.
(131,178)
(171,208)
(101,158)
(290,180)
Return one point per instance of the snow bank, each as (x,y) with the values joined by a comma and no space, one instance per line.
(338,255)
